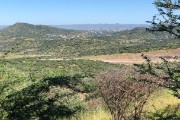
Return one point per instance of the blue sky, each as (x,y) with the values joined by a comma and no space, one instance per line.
(59,12)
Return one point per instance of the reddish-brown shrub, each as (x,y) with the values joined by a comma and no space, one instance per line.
(126,91)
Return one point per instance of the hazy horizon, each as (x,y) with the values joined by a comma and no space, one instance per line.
(111,27)
(79,24)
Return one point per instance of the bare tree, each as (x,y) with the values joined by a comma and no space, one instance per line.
(126,92)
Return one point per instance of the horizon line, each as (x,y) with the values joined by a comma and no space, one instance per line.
(81,24)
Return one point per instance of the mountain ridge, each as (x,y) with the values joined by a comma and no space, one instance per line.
(111,27)
(26,29)
(106,27)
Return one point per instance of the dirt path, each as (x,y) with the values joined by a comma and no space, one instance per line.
(136,58)
(124,58)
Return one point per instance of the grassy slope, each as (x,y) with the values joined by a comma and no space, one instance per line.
(31,39)
(18,73)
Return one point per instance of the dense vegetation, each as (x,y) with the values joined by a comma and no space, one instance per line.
(38,88)
(30,39)
(32,88)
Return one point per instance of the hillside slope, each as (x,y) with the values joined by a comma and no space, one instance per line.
(25,29)
(23,38)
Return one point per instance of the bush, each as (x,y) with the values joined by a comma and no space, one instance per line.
(126,92)
(51,98)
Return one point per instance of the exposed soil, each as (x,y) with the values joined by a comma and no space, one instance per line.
(136,58)
(124,58)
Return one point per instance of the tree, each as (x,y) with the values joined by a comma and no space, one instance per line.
(126,91)
(170,73)
(51,98)
(168,18)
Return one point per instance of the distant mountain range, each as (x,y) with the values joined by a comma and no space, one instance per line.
(111,27)
(107,27)
(3,26)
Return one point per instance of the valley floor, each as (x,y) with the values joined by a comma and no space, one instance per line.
(136,58)
(123,58)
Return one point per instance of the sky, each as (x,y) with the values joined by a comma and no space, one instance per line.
(64,12)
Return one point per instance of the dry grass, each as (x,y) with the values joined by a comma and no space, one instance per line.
(99,114)
(13,56)
(159,101)
(96,115)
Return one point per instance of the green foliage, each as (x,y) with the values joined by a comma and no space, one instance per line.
(30,39)
(36,89)
(46,99)
(168,17)
(169,113)
(35,31)
(167,71)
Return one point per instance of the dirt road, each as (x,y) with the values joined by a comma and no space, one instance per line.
(136,58)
